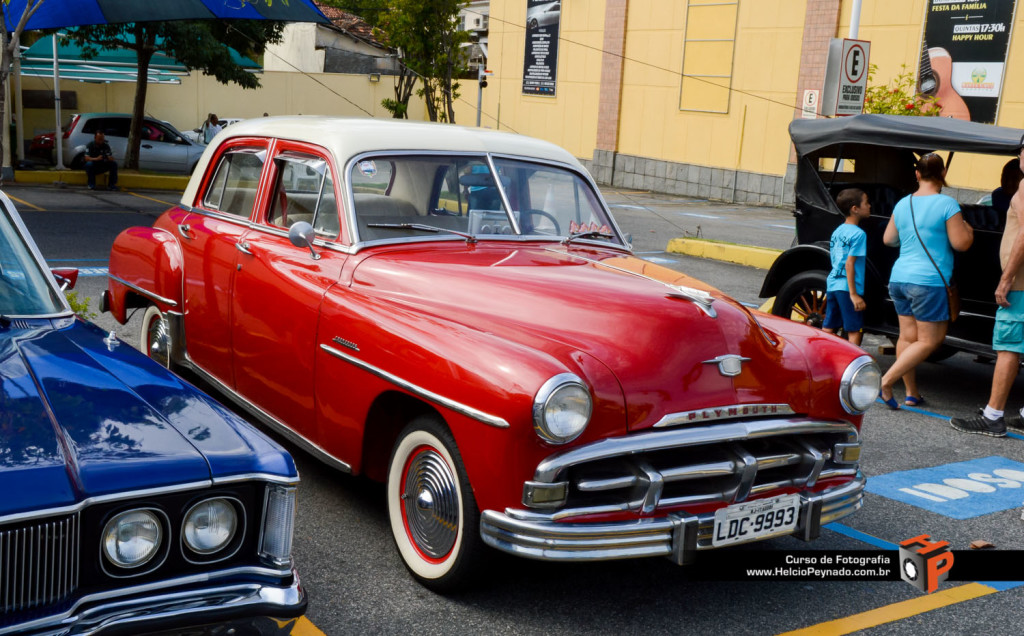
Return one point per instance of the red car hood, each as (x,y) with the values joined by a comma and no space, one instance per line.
(615,307)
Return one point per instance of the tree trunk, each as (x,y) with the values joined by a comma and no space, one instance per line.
(430,98)
(145,40)
(6,57)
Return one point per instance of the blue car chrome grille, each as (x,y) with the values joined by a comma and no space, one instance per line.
(38,563)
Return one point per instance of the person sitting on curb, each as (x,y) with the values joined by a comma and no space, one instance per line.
(99,158)
(1008,334)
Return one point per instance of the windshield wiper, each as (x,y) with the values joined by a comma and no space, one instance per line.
(422,228)
(587,234)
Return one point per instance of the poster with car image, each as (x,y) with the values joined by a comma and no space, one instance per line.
(963,56)
(540,63)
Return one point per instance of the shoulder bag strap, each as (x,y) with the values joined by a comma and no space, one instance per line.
(919,240)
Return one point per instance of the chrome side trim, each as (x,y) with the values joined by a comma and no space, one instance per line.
(269,420)
(285,597)
(728,412)
(458,407)
(677,535)
(149,492)
(552,468)
(266,477)
(144,292)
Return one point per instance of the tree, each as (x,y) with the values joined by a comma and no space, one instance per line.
(9,42)
(899,96)
(427,36)
(199,45)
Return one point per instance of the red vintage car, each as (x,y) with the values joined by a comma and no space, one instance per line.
(454,312)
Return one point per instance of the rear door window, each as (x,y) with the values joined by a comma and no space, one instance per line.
(235,182)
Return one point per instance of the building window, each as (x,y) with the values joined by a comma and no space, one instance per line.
(708,46)
(485,21)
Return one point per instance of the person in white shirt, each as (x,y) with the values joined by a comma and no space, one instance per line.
(211,127)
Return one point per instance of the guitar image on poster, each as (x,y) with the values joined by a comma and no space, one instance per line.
(934,78)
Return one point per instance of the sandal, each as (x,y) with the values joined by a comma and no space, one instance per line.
(891,402)
(913,401)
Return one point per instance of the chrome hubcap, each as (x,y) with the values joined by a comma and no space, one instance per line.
(159,341)
(431,504)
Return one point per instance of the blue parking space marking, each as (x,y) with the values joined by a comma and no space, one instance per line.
(92,271)
(699,216)
(961,490)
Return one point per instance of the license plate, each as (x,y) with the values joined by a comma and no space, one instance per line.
(754,520)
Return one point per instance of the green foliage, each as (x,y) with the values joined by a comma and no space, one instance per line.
(427,36)
(80,305)
(899,96)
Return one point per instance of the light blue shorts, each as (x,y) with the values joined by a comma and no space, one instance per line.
(1008,334)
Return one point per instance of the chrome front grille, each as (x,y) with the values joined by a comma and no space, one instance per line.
(38,563)
(723,463)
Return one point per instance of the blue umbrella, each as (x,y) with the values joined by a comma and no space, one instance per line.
(59,14)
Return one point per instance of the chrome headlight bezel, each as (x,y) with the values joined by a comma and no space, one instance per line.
(857,372)
(228,547)
(550,390)
(152,559)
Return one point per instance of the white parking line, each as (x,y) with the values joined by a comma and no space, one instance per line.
(699,216)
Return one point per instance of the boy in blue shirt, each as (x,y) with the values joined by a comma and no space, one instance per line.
(845,305)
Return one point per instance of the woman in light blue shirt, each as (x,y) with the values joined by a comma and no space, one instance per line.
(917,285)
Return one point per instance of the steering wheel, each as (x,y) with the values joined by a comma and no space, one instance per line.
(546,215)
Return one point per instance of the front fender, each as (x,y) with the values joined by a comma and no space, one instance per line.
(793,261)
(145,268)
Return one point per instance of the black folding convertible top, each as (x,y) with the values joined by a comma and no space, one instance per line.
(915,133)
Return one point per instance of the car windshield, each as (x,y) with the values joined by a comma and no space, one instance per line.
(404,196)
(24,288)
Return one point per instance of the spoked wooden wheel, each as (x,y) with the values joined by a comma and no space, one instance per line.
(803,299)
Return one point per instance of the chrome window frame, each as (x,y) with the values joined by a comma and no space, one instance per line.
(358,244)
(19,226)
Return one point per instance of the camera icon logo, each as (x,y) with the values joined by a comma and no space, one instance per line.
(925,563)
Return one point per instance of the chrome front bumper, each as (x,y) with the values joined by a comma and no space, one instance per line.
(252,607)
(677,536)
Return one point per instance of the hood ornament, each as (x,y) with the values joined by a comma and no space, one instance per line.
(729,365)
(699,297)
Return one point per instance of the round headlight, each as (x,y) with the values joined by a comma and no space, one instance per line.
(561,409)
(132,538)
(860,384)
(209,526)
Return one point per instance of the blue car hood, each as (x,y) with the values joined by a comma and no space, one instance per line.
(80,418)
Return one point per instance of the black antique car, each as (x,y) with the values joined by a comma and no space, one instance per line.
(877,153)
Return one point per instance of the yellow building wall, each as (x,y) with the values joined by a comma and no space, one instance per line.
(568,119)
(753,135)
(186,105)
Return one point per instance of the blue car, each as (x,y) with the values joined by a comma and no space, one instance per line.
(130,501)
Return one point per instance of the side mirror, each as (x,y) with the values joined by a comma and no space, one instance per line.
(301,234)
(67,277)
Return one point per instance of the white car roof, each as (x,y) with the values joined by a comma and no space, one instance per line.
(348,137)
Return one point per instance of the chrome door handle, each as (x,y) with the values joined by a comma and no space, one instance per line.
(184,230)
(243,247)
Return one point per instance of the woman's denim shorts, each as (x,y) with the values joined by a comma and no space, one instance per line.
(925,303)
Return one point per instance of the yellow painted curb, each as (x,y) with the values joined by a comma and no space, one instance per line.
(761,257)
(125,180)
(895,612)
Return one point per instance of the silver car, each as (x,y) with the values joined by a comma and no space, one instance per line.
(163,148)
